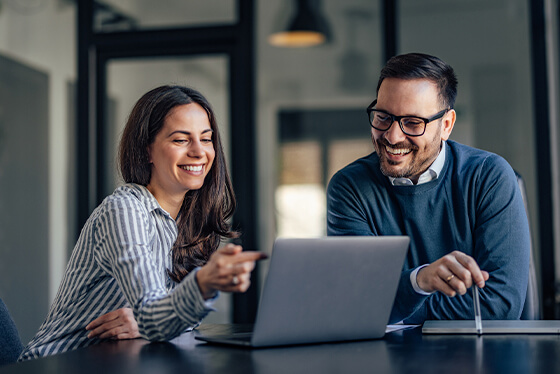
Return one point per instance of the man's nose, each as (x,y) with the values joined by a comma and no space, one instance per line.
(394,133)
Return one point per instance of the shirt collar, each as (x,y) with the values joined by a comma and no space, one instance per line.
(429,175)
(144,195)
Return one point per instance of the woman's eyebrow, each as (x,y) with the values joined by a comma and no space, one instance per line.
(188,132)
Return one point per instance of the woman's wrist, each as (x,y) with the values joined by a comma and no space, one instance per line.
(205,291)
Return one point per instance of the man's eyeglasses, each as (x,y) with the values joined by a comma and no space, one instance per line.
(410,125)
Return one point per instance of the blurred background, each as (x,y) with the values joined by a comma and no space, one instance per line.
(291,116)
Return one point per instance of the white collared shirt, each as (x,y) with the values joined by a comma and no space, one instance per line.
(429,175)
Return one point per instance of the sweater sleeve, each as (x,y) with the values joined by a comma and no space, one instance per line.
(346,213)
(501,246)
(501,243)
(124,250)
(497,238)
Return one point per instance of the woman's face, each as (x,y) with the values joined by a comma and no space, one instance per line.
(182,152)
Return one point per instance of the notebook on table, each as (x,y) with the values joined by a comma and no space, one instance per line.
(325,290)
(492,327)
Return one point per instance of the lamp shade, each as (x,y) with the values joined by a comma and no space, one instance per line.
(307,28)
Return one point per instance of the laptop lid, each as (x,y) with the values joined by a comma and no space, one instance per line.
(327,289)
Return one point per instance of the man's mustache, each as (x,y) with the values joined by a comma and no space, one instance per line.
(384,142)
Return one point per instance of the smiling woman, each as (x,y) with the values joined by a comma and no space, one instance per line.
(147,261)
(181,155)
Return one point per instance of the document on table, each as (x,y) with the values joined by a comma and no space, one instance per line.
(397,327)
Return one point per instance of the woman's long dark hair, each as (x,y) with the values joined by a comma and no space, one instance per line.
(202,220)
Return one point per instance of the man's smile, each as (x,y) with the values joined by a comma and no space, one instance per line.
(397,151)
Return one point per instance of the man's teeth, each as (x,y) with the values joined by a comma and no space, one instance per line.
(397,151)
(192,168)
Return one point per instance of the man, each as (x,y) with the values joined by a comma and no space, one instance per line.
(461,206)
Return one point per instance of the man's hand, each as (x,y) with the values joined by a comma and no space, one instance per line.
(118,324)
(452,274)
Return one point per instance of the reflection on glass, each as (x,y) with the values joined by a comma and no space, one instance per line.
(128,79)
(344,151)
(317,94)
(300,197)
(119,15)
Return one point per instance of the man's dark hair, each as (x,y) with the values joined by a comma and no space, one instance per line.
(422,66)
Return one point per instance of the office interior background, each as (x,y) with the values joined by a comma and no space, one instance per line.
(70,72)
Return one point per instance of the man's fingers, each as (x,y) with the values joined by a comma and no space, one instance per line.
(456,284)
(449,282)
(445,287)
(471,266)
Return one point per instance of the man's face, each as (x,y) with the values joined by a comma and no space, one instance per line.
(400,155)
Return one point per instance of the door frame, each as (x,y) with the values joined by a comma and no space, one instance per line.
(236,41)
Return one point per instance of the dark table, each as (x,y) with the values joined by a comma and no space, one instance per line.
(405,351)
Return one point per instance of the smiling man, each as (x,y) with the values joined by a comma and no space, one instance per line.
(461,206)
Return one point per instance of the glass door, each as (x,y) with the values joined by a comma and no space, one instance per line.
(129,79)
(117,64)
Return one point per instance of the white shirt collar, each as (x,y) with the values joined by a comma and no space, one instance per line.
(432,173)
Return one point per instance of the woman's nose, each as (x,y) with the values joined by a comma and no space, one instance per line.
(195,149)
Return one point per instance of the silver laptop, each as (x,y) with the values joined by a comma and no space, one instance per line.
(492,327)
(324,290)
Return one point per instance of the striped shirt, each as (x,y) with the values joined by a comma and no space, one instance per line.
(121,260)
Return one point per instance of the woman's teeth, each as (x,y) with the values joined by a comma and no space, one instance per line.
(192,168)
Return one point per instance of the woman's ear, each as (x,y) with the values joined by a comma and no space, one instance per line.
(149,150)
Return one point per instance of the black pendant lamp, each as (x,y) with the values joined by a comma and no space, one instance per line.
(306,29)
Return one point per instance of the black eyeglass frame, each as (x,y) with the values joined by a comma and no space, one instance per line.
(394,118)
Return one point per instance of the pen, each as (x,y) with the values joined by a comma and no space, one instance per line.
(477,318)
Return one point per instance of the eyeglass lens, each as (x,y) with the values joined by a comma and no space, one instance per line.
(409,125)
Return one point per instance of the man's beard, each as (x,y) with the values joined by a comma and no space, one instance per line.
(413,168)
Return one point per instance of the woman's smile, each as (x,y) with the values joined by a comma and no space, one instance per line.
(182,153)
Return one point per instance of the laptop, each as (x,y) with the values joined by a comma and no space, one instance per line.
(492,327)
(328,289)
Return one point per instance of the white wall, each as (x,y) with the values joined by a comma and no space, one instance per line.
(42,35)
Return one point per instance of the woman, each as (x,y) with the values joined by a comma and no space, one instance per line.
(152,245)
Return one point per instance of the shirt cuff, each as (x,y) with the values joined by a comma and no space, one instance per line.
(189,303)
(414,282)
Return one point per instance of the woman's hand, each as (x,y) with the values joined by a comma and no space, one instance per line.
(118,324)
(229,269)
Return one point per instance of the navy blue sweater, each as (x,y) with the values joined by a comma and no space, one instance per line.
(474,206)
(10,344)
